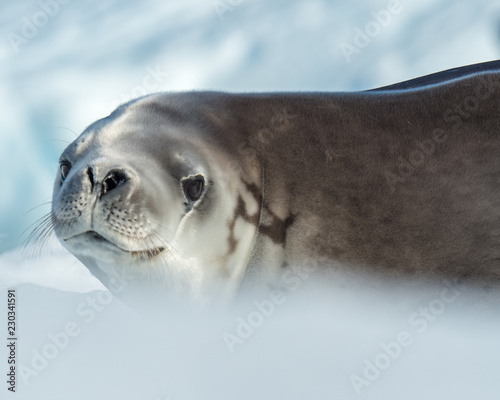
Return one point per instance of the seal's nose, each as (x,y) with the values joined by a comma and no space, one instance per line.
(114,179)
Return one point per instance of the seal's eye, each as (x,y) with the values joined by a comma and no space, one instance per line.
(64,168)
(193,187)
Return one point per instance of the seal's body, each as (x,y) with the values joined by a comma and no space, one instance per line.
(192,193)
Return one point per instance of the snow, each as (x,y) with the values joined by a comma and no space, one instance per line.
(90,56)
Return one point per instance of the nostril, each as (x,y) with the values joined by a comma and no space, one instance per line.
(113,180)
(109,184)
(90,174)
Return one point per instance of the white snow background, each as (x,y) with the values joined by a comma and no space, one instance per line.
(77,61)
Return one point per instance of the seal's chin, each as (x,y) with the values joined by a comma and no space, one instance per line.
(90,243)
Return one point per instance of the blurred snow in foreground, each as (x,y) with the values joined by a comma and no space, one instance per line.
(317,341)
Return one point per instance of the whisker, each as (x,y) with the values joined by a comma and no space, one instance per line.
(33,237)
(168,246)
(172,268)
(60,140)
(39,221)
(38,206)
(39,225)
(72,131)
(164,227)
(40,235)
(149,251)
(36,246)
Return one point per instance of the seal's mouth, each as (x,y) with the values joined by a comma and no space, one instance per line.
(94,238)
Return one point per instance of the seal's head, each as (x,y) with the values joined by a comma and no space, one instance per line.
(145,199)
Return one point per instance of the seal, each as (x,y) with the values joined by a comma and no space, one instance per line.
(192,195)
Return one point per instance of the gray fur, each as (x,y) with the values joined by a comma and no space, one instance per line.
(331,172)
